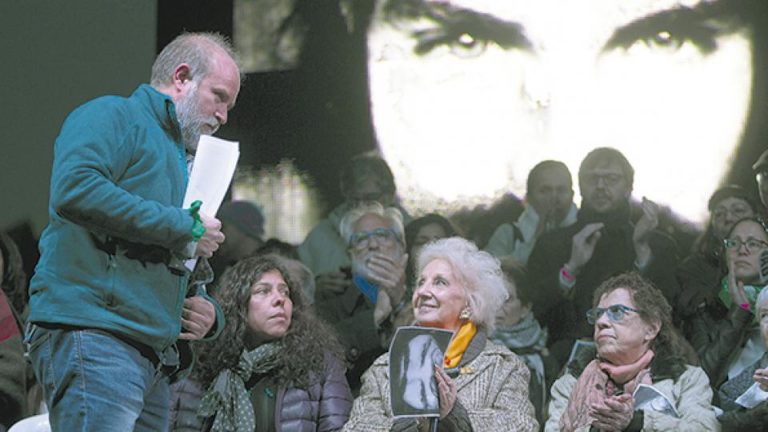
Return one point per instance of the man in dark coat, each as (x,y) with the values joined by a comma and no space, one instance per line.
(567,264)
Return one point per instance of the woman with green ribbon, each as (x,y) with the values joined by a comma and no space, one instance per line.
(730,343)
(274,368)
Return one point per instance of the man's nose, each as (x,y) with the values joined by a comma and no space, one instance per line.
(221,116)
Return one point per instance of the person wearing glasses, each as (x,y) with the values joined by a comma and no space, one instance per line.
(636,345)
(365,178)
(700,273)
(727,345)
(568,263)
(373,302)
(740,415)
(482,386)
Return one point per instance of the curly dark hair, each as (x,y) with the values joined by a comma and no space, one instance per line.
(653,307)
(14,281)
(305,345)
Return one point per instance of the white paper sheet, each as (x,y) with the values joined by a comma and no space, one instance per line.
(752,397)
(212,172)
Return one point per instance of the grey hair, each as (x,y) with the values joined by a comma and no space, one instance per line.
(350,218)
(479,273)
(194,49)
(761,298)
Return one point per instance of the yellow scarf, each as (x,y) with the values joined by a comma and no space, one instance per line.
(459,344)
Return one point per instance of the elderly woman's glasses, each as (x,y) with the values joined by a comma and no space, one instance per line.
(361,239)
(753,245)
(615,313)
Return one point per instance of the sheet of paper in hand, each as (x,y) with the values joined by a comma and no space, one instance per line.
(212,172)
(412,355)
(649,398)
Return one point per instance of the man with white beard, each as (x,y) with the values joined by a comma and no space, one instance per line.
(108,308)
(367,312)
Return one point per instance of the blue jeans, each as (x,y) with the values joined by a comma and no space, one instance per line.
(93,381)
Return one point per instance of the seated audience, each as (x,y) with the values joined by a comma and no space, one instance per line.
(374,302)
(636,345)
(729,344)
(421,231)
(567,264)
(738,418)
(699,274)
(275,366)
(549,205)
(366,178)
(13,366)
(482,386)
(518,330)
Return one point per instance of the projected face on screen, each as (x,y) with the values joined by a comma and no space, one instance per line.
(419,390)
(468,95)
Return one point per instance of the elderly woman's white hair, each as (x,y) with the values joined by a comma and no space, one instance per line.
(350,218)
(762,299)
(478,272)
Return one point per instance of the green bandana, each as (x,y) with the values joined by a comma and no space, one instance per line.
(227,397)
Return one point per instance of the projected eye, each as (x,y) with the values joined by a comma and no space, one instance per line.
(461,44)
(667,31)
(468,37)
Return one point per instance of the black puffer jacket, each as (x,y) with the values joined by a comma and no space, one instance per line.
(324,406)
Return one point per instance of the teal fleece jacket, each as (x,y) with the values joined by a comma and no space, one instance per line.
(117,186)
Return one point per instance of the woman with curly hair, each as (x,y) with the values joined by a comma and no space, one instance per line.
(275,366)
(636,345)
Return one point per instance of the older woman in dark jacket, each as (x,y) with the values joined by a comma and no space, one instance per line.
(274,368)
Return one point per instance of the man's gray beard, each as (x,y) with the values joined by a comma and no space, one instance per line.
(190,119)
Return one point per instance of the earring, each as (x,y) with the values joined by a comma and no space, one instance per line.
(465,314)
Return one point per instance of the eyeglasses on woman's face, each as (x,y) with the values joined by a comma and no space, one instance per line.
(615,313)
(753,245)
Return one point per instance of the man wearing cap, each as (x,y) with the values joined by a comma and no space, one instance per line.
(243,226)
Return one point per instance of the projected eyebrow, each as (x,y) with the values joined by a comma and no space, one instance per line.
(457,27)
(701,26)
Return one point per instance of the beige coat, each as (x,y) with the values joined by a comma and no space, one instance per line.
(493,388)
(690,393)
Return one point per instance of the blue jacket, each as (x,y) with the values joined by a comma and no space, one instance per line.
(119,178)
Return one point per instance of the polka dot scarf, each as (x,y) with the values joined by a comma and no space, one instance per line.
(227,397)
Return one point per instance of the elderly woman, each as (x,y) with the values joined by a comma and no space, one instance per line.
(636,344)
(738,417)
(482,386)
(275,367)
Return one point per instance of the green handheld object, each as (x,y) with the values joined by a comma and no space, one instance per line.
(197,228)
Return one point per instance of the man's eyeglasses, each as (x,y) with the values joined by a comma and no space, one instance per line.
(753,245)
(738,212)
(361,239)
(615,313)
(607,179)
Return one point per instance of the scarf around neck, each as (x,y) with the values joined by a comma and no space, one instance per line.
(599,381)
(526,334)
(227,398)
(459,344)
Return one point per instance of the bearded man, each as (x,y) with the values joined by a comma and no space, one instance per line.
(107,304)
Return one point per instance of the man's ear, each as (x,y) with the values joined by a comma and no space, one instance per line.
(181,75)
